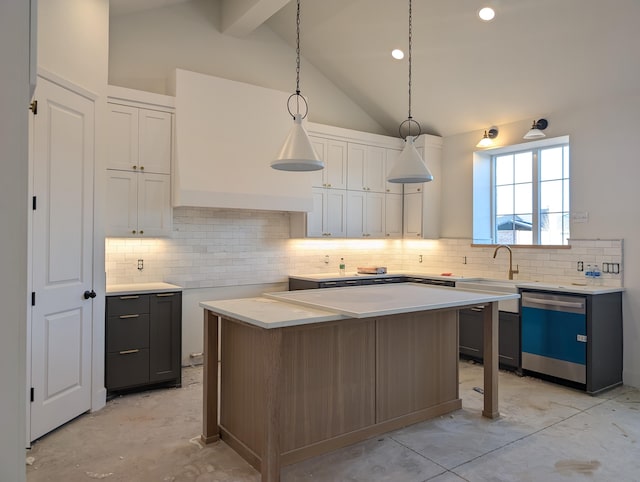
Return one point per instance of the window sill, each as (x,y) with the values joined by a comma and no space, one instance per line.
(529,246)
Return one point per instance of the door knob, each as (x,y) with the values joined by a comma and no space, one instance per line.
(89,294)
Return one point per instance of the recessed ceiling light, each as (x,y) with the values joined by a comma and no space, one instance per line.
(397,54)
(486,13)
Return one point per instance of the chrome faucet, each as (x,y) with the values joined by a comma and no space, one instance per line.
(511,270)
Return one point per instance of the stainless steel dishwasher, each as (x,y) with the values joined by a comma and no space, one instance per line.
(554,335)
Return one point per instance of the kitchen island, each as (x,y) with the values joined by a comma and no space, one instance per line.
(306,372)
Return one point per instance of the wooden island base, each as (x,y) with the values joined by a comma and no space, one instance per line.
(291,393)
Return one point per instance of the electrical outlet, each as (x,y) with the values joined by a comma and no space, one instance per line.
(140,264)
(580,266)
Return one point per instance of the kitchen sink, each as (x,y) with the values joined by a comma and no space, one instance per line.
(501,286)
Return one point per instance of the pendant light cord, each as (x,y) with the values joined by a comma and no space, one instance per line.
(410,42)
(297,94)
(298,50)
(410,119)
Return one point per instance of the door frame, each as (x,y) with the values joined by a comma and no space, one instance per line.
(98,391)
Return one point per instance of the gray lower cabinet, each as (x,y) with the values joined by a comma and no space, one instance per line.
(143,340)
(471,337)
(304,284)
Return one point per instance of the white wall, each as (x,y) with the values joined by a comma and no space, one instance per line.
(73,41)
(604,182)
(146,47)
(14,97)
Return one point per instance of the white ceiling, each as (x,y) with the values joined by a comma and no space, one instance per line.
(534,58)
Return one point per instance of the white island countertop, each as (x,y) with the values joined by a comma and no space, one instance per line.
(292,308)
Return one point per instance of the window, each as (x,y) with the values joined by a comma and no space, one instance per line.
(521,194)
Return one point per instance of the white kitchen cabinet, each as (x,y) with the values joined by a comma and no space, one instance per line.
(422,200)
(413,215)
(365,214)
(393,205)
(329,215)
(139,139)
(334,155)
(139,204)
(391,156)
(366,169)
(139,163)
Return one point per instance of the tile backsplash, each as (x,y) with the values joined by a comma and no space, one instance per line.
(222,247)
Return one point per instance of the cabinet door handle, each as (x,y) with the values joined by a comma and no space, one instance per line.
(129,352)
(165,295)
(130,297)
(124,317)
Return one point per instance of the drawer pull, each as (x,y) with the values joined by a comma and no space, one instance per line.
(123,317)
(129,352)
(164,295)
(131,297)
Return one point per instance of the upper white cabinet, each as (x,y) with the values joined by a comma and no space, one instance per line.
(366,168)
(391,156)
(139,139)
(139,204)
(334,155)
(422,200)
(365,214)
(139,163)
(393,205)
(329,215)
(351,196)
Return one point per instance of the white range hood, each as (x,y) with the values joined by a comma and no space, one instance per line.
(227,134)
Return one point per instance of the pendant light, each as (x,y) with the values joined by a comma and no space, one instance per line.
(409,168)
(297,153)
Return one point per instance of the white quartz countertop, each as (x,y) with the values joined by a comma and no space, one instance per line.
(526,284)
(354,275)
(269,313)
(141,288)
(579,289)
(379,300)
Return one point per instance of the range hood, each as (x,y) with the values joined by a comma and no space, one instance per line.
(227,134)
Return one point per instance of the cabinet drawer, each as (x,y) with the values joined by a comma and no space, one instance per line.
(126,332)
(127,369)
(127,305)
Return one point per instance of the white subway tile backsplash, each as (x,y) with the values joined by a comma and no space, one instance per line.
(216,247)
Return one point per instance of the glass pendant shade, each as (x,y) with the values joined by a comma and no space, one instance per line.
(409,167)
(536,129)
(534,134)
(485,141)
(297,153)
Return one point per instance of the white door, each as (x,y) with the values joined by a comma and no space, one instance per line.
(62,237)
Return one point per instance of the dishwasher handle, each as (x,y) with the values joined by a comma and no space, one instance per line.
(555,303)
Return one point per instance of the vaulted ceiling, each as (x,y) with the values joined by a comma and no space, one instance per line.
(534,58)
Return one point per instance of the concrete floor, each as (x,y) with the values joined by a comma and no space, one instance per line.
(546,433)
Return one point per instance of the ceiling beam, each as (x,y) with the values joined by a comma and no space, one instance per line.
(241,17)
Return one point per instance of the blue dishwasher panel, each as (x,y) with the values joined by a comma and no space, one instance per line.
(554,334)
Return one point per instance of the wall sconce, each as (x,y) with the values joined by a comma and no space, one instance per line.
(536,129)
(487,138)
